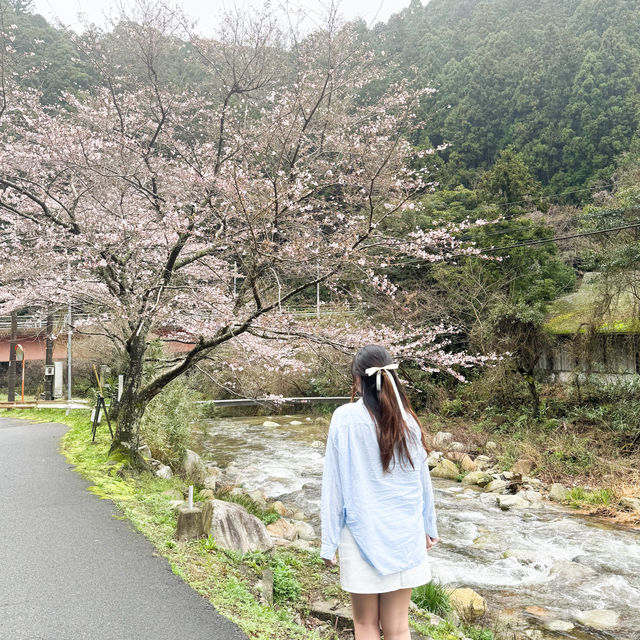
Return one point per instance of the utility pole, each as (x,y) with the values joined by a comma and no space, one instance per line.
(11,377)
(69,329)
(48,379)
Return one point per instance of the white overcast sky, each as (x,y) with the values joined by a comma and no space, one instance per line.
(206,11)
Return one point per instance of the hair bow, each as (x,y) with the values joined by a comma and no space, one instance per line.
(378,372)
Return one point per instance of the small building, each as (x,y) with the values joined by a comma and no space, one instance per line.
(593,331)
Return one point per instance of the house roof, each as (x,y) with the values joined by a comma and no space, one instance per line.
(575,312)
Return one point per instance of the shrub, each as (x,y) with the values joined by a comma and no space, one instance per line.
(166,424)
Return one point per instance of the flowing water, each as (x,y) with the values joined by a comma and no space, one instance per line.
(563,562)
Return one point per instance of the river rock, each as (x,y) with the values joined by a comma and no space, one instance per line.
(164,471)
(482,462)
(193,467)
(512,501)
(210,482)
(559,625)
(299,515)
(497,485)
(523,466)
(318,444)
(282,529)
(305,545)
(174,505)
(477,477)
(558,492)
(434,458)
(446,469)
(441,439)
(598,618)
(304,529)
(233,527)
(491,446)
(469,604)
(456,446)
(295,422)
(467,463)
(633,504)
(279,508)
(270,423)
(524,556)
(532,496)
(569,571)
(212,470)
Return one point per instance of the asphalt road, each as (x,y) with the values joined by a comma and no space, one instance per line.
(69,569)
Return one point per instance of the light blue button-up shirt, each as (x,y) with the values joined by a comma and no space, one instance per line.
(388,513)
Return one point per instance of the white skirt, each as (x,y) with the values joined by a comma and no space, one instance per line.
(358,576)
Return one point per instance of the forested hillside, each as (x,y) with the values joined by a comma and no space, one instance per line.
(559,81)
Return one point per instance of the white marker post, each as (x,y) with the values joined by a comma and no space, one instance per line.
(190,496)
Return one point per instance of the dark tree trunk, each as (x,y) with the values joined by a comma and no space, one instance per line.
(129,411)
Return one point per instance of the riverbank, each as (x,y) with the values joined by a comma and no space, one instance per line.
(233,582)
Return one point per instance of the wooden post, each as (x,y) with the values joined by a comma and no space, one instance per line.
(11,377)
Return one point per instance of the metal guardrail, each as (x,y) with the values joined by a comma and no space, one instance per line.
(38,322)
(254,402)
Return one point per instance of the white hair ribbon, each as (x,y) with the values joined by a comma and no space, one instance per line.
(378,371)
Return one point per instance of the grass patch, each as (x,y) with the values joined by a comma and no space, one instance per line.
(224,578)
(579,496)
(432,597)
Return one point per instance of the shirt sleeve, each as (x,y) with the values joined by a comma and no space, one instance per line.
(332,501)
(428,503)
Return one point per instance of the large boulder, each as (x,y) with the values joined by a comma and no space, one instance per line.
(477,477)
(164,471)
(446,469)
(598,618)
(233,527)
(469,604)
(193,467)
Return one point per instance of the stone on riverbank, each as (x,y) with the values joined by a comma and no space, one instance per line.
(442,439)
(512,501)
(259,497)
(234,528)
(210,482)
(469,604)
(482,462)
(633,504)
(559,625)
(270,423)
(477,477)
(558,492)
(446,469)
(193,467)
(497,485)
(283,529)
(523,466)
(164,471)
(339,616)
(456,446)
(434,458)
(279,508)
(491,446)
(601,619)
(305,530)
(524,556)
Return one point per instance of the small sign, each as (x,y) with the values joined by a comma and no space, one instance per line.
(19,353)
(49,370)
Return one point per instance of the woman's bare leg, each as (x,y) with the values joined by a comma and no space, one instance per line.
(366,616)
(394,614)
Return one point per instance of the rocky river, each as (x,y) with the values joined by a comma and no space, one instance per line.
(548,565)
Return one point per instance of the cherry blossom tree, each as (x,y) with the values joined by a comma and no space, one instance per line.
(146,199)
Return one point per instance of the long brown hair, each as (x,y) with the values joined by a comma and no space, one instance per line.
(392,431)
